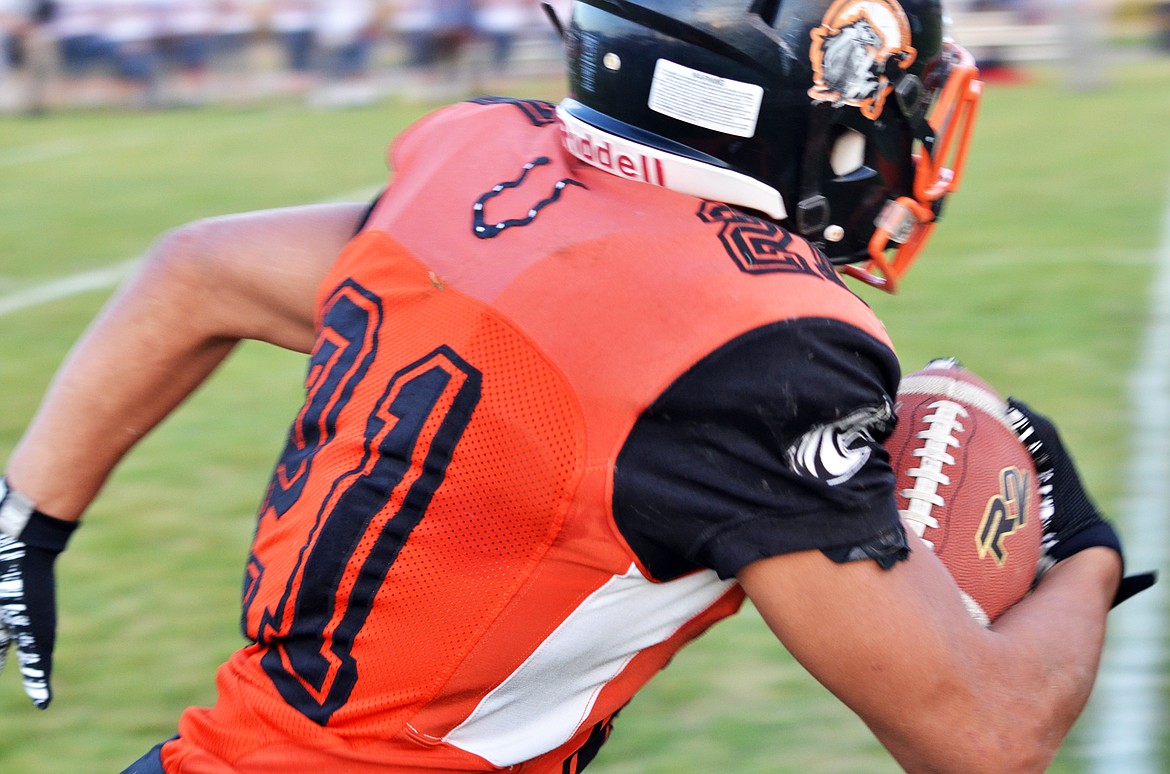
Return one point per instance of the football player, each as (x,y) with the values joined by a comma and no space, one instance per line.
(558,376)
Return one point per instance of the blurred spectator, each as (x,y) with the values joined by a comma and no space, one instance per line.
(39,52)
(1162,25)
(134,29)
(12,23)
(500,22)
(292,22)
(186,46)
(435,30)
(236,25)
(27,42)
(344,35)
(14,19)
(85,52)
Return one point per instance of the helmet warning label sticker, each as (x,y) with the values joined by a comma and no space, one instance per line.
(705,100)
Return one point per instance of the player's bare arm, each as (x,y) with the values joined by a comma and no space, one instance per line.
(941,692)
(202,288)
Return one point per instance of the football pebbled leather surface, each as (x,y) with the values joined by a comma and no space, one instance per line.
(966,485)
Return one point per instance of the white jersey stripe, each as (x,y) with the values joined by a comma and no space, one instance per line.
(542,704)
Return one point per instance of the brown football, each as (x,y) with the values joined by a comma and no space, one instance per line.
(966,485)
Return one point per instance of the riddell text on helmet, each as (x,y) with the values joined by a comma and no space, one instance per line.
(610,153)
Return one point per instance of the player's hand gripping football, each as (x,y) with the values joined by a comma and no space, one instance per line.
(1072,522)
(29,544)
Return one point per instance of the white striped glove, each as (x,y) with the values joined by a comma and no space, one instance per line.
(29,544)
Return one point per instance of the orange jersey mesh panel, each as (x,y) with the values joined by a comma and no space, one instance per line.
(426,477)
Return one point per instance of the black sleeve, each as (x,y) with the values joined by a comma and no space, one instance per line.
(769,445)
(369,211)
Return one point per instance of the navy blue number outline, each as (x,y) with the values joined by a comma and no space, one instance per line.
(484,230)
(310,661)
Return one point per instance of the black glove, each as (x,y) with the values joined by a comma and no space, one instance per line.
(29,544)
(1072,522)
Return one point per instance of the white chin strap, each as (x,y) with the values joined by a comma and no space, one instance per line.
(635,161)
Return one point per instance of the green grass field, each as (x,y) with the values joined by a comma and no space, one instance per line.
(1037,280)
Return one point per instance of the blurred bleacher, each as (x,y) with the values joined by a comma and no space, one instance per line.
(397,53)
(184,53)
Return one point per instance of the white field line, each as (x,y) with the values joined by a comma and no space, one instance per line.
(99,142)
(109,276)
(41,151)
(52,150)
(1127,714)
(72,285)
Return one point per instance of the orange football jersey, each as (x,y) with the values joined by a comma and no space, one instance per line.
(466,559)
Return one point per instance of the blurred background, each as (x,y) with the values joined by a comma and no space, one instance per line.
(1050,277)
(183,53)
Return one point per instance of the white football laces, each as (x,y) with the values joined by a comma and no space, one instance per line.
(939,438)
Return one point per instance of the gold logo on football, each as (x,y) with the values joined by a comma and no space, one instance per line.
(1006,513)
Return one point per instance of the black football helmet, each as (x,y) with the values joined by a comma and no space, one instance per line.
(846,121)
